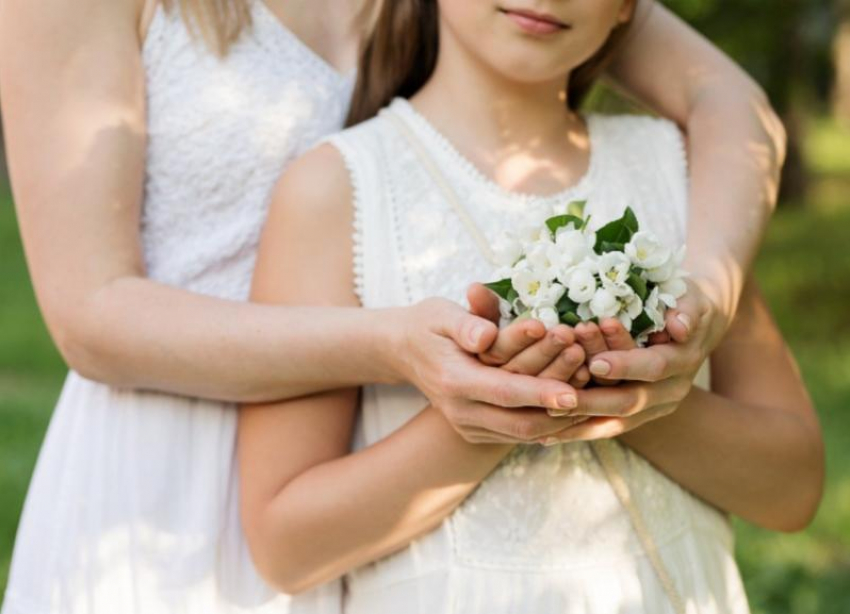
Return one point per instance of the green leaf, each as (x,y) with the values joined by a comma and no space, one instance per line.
(503,288)
(638,284)
(607,246)
(576,208)
(641,324)
(565,305)
(570,318)
(559,221)
(617,232)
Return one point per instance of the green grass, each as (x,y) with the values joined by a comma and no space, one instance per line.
(804,269)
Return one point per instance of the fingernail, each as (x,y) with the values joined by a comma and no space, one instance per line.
(685,319)
(551,441)
(600,367)
(567,401)
(557,413)
(475,333)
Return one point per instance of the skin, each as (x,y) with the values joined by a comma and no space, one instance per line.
(311,511)
(72,90)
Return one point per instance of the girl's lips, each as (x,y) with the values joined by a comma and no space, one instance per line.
(535,23)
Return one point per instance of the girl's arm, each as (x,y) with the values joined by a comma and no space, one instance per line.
(310,510)
(736,150)
(73,96)
(753,445)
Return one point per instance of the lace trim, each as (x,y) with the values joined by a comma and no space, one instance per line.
(358,267)
(424,127)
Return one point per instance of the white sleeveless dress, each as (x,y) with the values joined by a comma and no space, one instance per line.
(132,508)
(544,533)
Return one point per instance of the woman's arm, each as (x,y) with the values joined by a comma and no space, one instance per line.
(733,134)
(310,510)
(753,445)
(72,86)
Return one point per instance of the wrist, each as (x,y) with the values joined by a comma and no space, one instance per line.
(387,345)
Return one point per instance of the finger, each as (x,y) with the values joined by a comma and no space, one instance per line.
(659,338)
(503,389)
(512,340)
(537,357)
(590,430)
(581,378)
(606,428)
(616,401)
(651,364)
(591,338)
(564,367)
(483,302)
(471,333)
(616,336)
(489,424)
(691,313)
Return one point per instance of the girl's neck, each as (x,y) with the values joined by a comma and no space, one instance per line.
(521,135)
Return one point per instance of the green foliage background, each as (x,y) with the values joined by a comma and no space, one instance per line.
(804,269)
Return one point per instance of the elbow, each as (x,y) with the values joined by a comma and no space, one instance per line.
(277,556)
(83,344)
(798,505)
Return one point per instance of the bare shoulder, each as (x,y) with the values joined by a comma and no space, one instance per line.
(316,185)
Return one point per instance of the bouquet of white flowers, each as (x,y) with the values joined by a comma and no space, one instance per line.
(563,272)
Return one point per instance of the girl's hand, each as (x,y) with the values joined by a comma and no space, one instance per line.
(696,327)
(626,406)
(484,403)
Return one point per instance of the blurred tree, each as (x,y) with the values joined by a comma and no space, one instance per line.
(841,58)
(786,47)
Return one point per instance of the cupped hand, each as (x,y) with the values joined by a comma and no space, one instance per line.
(695,328)
(619,407)
(438,347)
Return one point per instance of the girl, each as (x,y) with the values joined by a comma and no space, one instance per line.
(483,144)
(143,140)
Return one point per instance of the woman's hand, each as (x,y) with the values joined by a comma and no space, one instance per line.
(496,399)
(616,407)
(696,328)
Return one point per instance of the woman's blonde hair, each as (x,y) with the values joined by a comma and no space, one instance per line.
(220,23)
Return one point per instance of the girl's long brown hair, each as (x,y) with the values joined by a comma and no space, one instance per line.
(400,54)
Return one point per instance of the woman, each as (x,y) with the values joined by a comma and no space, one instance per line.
(141,162)
(427,187)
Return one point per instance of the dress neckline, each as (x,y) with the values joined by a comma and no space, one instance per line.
(436,139)
(264,13)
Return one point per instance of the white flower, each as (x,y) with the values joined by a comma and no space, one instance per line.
(508,250)
(614,269)
(630,308)
(655,310)
(671,290)
(668,269)
(536,290)
(538,256)
(647,252)
(582,285)
(574,245)
(547,315)
(604,304)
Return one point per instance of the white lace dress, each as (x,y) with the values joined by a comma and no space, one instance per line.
(544,533)
(132,508)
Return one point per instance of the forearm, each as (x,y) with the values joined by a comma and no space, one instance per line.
(736,149)
(359,508)
(137,333)
(736,144)
(756,462)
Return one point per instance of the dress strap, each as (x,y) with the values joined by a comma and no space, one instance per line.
(601,449)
